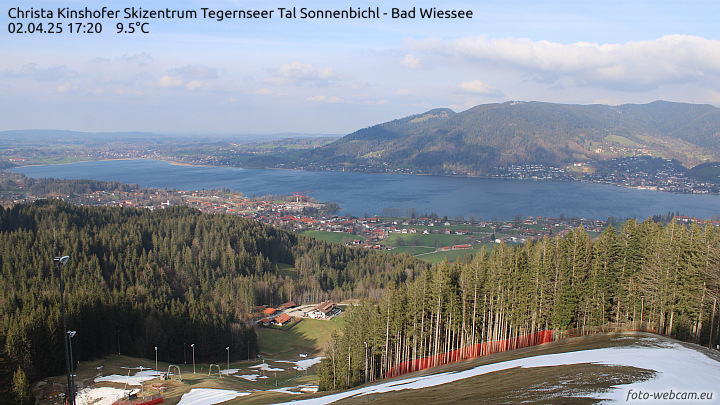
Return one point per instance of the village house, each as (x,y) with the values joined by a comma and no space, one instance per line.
(322,311)
(270,311)
(287,305)
(282,319)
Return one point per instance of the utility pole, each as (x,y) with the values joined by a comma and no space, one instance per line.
(70,397)
(193,347)
(366,370)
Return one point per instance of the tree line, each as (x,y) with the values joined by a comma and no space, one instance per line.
(640,276)
(139,279)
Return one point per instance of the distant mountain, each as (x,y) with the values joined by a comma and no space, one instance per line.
(491,135)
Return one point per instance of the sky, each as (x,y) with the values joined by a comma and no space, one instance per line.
(335,76)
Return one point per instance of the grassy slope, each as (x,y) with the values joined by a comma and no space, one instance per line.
(306,336)
(542,385)
(558,384)
(336,237)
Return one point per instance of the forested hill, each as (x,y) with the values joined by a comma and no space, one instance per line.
(164,278)
(490,135)
(639,276)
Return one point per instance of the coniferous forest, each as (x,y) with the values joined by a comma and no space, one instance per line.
(640,276)
(137,279)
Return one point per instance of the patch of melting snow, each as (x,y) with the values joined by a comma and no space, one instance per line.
(266,367)
(249,377)
(302,365)
(300,389)
(99,396)
(286,390)
(209,396)
(678,368)
(229,371)
(137,379)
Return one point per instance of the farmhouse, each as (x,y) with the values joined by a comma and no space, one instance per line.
(322,311)
(288,305)
(282,319)
(270,311)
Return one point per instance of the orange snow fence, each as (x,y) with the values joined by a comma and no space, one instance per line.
(471,352)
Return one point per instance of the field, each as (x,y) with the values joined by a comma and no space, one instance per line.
(337,237)
(430,240)
(306,336)
(622,140)
(453,255)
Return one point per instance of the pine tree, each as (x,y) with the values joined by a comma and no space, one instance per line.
(21,388)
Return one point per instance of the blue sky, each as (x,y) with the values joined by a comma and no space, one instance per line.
(336,76)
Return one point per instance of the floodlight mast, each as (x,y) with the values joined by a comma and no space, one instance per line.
(70,398)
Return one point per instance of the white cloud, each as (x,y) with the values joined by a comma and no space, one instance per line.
(403,92)
(321,98)
(638,65)
(411,61)
(191,77)
(297,73)
(65,87)
(170,81)
(263,92)
(360,85)
(478,87)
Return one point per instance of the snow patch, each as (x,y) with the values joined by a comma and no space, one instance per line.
(286,390)
(249,377)
(209,396)
(302,365)
(137,379)
(230,371)
(99,396)
(678,368)
(266,367)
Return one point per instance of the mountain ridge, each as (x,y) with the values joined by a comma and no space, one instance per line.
(476,140)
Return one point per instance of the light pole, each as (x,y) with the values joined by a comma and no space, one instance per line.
(156,369)
(71,334)
(228,364)
(366,376)
(193,347)
(61,261)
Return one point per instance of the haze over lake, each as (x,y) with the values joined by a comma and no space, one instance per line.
(359,194)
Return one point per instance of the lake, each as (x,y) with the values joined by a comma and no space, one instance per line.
(359,194)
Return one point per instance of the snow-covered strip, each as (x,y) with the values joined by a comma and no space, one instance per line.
(300,389)
(286,390)
(137,379)
(99,396)
(266,367)
(678,369)
(230,371)
(308,388)
(209,396)
(249,377)
(302,365)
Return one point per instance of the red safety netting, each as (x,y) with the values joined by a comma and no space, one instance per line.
(470,352)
